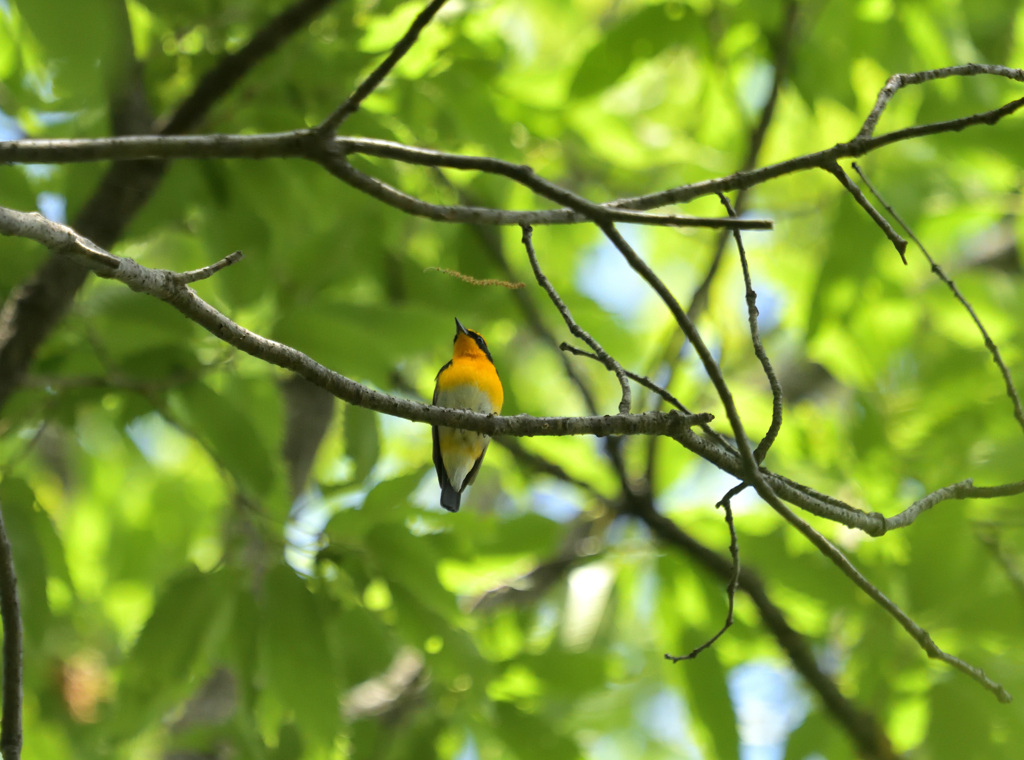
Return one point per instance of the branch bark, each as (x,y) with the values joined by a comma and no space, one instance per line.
(10,720)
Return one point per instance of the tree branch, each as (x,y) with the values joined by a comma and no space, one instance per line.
(172,288)
(368,85)
(898,81)
(10,721)
(1011,390)
(861,726)
(894,237)
(755,335)
(35,308)
(603,356)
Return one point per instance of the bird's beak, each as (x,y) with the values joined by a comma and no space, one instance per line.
(459,328)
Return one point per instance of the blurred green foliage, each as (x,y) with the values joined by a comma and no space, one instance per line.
(143,481)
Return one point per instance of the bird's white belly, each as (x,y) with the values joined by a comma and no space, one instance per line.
(461,448)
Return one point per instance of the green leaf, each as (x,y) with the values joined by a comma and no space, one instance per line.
(188,624)
(635,38)
(408,561)
(230,434)
(362,439)
(530,736)
(298,662)
(708,697)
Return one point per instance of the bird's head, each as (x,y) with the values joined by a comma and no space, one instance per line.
(469,344)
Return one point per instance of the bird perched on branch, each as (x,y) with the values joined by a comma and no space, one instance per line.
(468,381)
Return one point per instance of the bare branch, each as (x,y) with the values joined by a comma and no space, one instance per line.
(655,388)
(894,237)
(898,81)
(169,287)
(965,489)
(819,160)
(201,274)
(384,192)
(869,737)
(734,582)
(603,356)
(10,721)
(1011,390)
(919,634)
(755,335)
(368,85)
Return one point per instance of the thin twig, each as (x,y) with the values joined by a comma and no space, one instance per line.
(734,582)
(898,81)
(659,390)
(574,328)
(894,237)
(10,721)
(672,353)
(1011,390)
(862,727)
(195,275)
(751,473)
(755,335)
(919,634)
(368,85)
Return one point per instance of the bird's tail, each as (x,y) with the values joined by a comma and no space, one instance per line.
(450,498)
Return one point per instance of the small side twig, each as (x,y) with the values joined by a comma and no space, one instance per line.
(894,237)
(574,328)
(194,275)
(659,390)
(919,634)
(1011,390)
(898,81)
(734,582)
(10,721)
(368,85)
(755,335)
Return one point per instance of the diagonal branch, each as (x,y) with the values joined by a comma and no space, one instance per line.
(755,335)
(869,737)
(36,307)
(384,192)
(603,356)
(894,237)
(368,85)
(172,289)
(1011,390)
(919,634)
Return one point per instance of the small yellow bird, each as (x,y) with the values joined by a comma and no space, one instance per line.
(468,381)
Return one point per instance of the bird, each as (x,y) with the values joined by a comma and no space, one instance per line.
(468,381)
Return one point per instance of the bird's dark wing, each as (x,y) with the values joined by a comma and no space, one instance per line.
(449,496)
